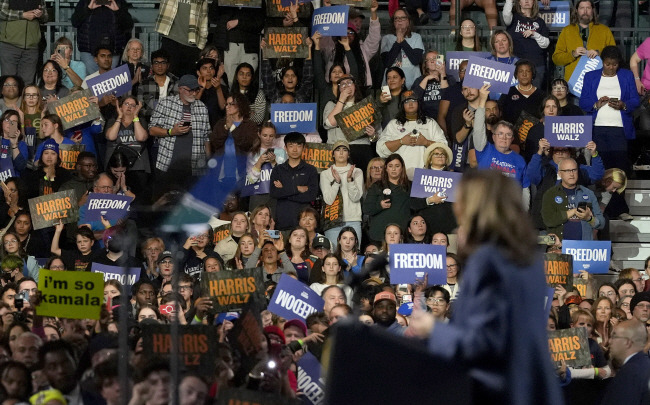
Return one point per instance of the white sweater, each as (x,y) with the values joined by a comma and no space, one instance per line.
(351,191)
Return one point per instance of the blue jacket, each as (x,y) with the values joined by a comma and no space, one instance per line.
(498,331)
(629,96)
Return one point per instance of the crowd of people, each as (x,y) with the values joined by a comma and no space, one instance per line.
(197,116)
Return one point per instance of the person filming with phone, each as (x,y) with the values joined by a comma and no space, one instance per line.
(569,210)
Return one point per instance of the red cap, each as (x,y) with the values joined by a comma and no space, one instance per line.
(385,295)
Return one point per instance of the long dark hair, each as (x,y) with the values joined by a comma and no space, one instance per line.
(253,89)
(355,47)
(339,252)
(244,106)
(401,114)
(403,180)
(118,159)
(10,113)
(459,37)
(305,253)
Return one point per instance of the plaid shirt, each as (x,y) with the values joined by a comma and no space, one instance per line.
(198,29)
(149,94)
(168,113)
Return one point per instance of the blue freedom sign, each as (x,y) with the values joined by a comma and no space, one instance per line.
(262,186)
(568,131)
(299,117)
(127,276)
(428,182)
(116,81)
(310,385)
(330,21)
(109,206)
(557,14)
(455,58)
(409,263)
(294,300)
(484,71)
(590,255)
(584,66)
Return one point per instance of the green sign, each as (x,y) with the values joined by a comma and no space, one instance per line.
(70,294)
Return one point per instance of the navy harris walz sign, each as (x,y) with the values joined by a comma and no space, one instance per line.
(568,131)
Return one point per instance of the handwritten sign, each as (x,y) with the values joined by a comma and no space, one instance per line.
(116,82)
(581,285)
(47,210)
(429,182)
(318,155)
(126,276)
(354,120)
(280,8)
(299,117)
(196,347)
(289,42)
(241,3)
(262,186)
(570,345)
(590,255)
(584,66)
(109,206)
(330,21)
(231,290)
(69,153)
(310,383)
(568,131)
(409,262)
(483,71)
(455,58)
(559,270)
(70,294)
(557,14)
(294,300)
(75,109)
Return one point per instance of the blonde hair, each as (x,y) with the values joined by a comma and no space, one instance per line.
(492,211)
(616,175)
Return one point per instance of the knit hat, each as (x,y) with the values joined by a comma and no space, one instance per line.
(639,297)
(51,144)
(274,330)
(298,324)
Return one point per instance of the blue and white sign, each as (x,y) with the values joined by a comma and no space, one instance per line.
(483,71)
(568,131)
(310,385)
(116,81)
(429,182)
(330,21)
(262,186)
(409,263)
(299,117)
(110,206)
(127,276)
(548,300)
(294,300)
(557,14)
(584,66)
(6,161)
(590,255)
(455,58)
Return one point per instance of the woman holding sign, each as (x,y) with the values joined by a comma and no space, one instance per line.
(610,95)
(504,345)
(435,210)
(388,201)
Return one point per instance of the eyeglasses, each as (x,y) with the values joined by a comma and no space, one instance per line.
(376,168)
(10,120)
(184,287)
(10,85)
(57,267)
(625,305)
(159,62)
(130,105)
(203,236)
(643,306)
(400,18)
(166,262)
(468,27)
(351,32)
(346,83)
(506,135)
(436,301)
(10,242)
(573,171)
(430,60)
(409,101)
(150,249)
(31,95)
(559,88)
(49,70)
(438,155)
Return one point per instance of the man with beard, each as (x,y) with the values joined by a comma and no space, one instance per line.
(584,36)
(181,122)
(384,312)
(462,126)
